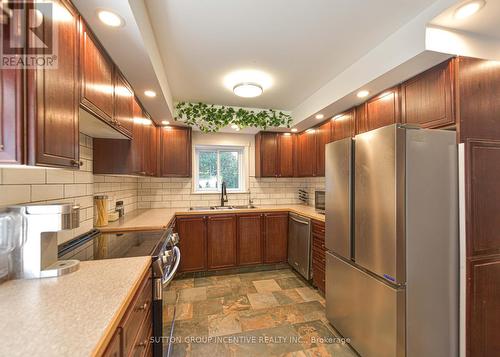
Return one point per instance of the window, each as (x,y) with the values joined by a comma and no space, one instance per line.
(217,164)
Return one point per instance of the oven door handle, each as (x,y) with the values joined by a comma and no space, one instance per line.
(170,276)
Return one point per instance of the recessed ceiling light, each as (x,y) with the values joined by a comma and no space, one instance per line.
(468,9)
(110,18)
(165,122)
(294,130)
(248,90)
(319,116)
(150,93)
(287,134)
(363,93)
(310,131)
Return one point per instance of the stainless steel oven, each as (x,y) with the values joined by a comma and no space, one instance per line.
(319,201)
(161,245)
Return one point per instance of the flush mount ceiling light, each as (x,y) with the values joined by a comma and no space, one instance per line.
(109,18)
(468,9)
(319,116)
(248,90)
(363,94)
(150,93)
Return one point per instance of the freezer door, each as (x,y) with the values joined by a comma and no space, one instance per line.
(338,168)
(379,202)
(364,309)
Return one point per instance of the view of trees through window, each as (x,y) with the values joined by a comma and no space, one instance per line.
(216,166)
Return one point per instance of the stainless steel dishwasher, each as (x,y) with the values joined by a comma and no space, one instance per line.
(299,244)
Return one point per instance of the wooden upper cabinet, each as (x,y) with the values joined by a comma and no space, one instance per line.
(306,154)
(268,151)
(96,72)
(382,110)
(276,237)
(286,155)
(150,148)
(250,247)
(175,151)
(343,125)
(323,137)
(192,241)
(138,142)
(124,105)
(11,116)
(221,238)
(53,98)
(427,99)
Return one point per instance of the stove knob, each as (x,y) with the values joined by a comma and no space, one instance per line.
(174,238)
(166,258)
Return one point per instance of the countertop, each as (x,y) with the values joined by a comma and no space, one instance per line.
(159,218)
(72,315)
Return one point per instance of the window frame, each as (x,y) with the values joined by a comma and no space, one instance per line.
(218,149)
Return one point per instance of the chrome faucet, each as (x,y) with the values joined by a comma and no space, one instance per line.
(223,196)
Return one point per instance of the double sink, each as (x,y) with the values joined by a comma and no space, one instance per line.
(220,208)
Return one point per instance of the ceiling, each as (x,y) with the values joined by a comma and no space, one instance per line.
(301,44)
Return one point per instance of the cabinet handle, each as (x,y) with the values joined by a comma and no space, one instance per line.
(76,163)
(1,146)
(142,344)
(143,307)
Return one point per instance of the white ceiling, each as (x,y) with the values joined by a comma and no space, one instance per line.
(301,44)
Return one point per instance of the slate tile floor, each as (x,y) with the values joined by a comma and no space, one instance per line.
(266,313)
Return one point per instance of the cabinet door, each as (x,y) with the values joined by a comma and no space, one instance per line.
(249,239)
(306,153)
(138,142)
(343,125)
(383,110)
(96,72)
(124,105)
(427,99)
(323,137)
(53,98)
(269,154)
(221,241)
(175,152)
(192,242)
(11,100)
(150,148)
(286,155)
(276,237)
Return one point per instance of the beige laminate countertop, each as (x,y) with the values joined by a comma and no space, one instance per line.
(159,218)
(72,315)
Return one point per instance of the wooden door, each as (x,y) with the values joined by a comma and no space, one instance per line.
(323,137)
(275,237)
(269,154)
(383,110)
(192,242)
(124,105)
(53,98)
(306,153)
(343,125)
(249,239)
(427,99)
(175,152)
(221,241)
(286,155)
(96,72)
(11,126)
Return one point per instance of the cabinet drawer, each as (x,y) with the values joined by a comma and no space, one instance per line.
(142,344)
(113,349)
(319,262)
(318,244)
(140,309)
(319,279)
(318,228)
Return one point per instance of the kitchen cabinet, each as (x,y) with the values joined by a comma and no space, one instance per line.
(306,153)
(343,125)
(114,346)
(96,72)
(427,99)
(275,237)
(382,110)
(250,239)
(323,135)
(123,105)
(138,141)
(318,254)
(11,120)
(150,147)
(221,252)
(274,154)
(53,97)
(193,242)
(175,151)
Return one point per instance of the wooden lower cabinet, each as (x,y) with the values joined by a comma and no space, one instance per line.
(318,252)
(221,251)
(250,239)
(193,242)
(275,237)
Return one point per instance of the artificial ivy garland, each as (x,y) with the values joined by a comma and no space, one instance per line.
(210,118)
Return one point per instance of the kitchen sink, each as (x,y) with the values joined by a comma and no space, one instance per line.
(207,208)
(244,207)
(221,208)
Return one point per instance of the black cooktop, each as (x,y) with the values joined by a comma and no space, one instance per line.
(96,245)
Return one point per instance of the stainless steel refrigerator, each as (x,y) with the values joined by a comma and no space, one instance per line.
(392,241)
